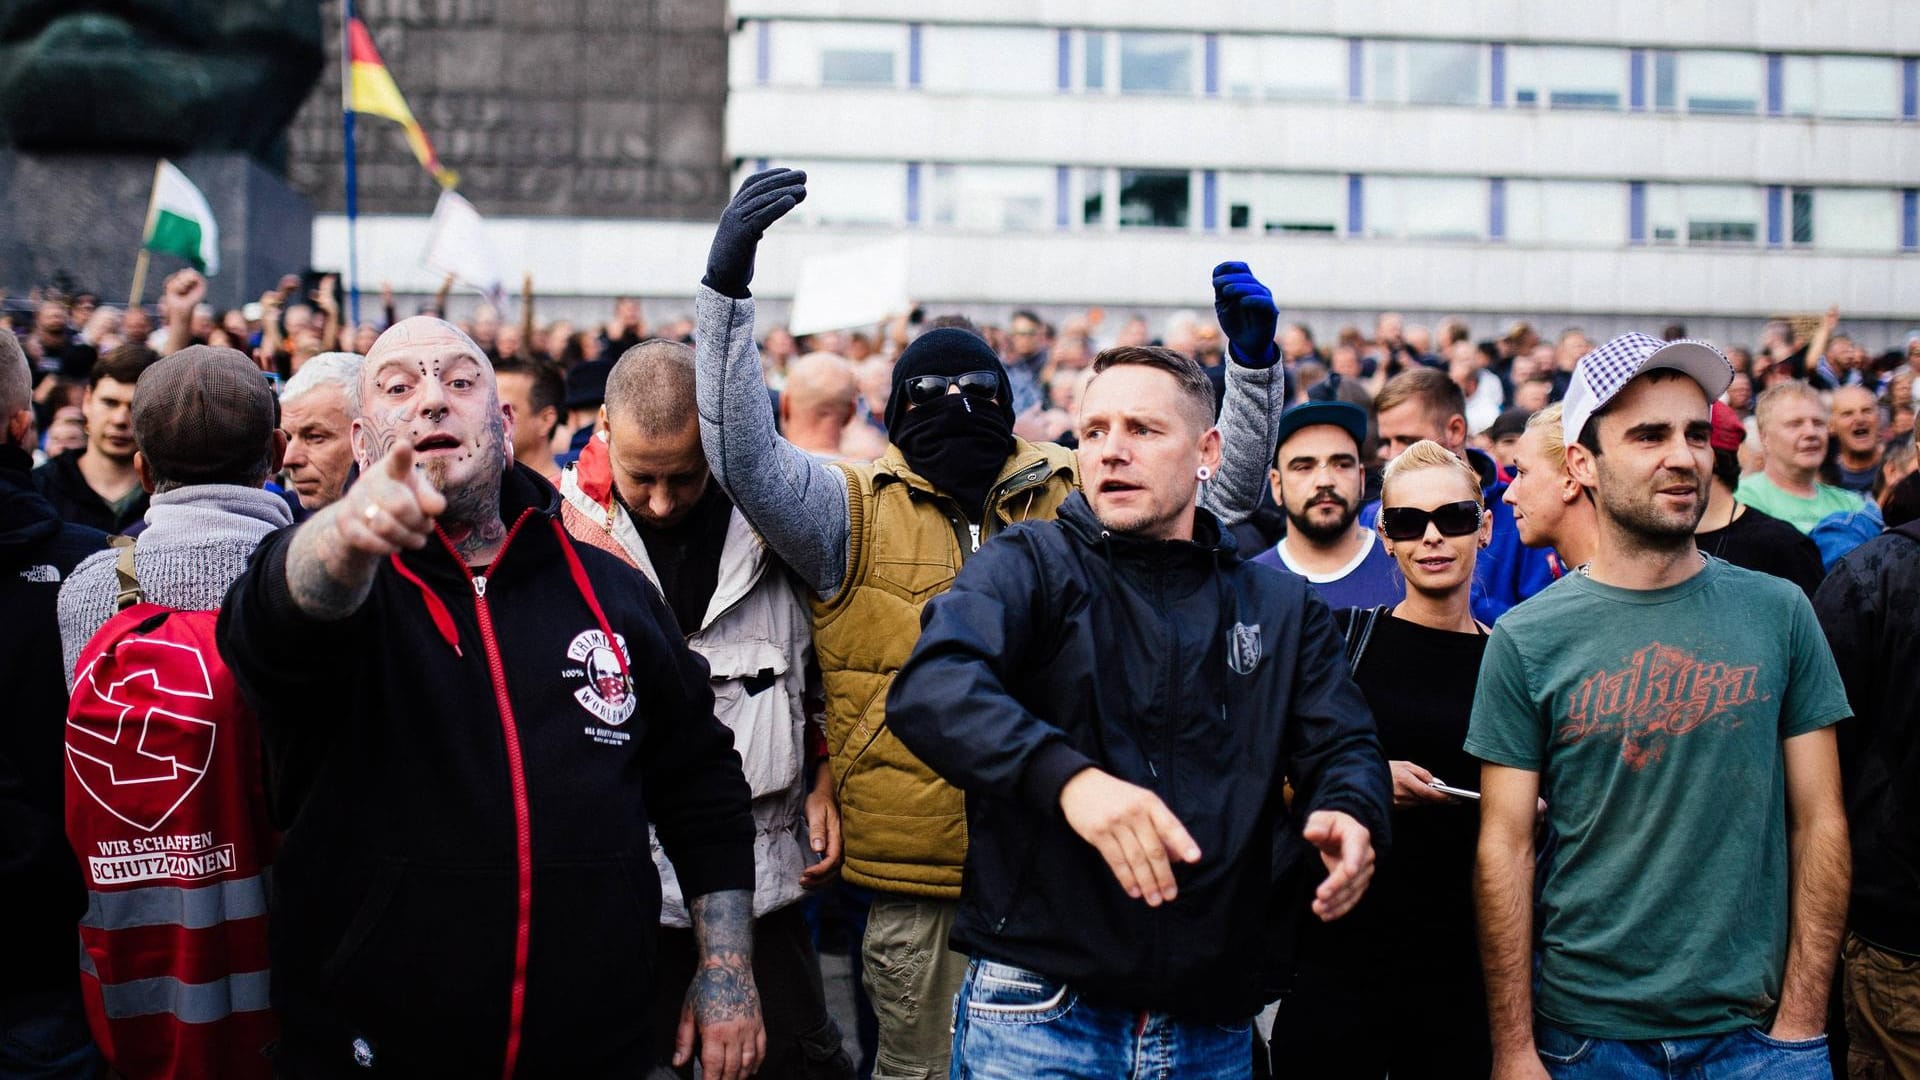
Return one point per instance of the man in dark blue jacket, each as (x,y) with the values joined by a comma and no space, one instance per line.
(1125,703)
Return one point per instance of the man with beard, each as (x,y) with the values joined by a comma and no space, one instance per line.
(1678,713)
(874,542)
(98,487)
(1856,431)
(642,492)
(1318,480)
(1793,432)
(465,886)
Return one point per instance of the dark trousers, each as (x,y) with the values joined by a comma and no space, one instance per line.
(803,1042)
(1364,1021)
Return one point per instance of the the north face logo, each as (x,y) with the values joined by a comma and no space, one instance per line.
(139,744)
(1243,648)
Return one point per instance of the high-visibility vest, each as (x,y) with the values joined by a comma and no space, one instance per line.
(167,815)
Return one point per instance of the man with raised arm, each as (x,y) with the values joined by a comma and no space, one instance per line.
(874,542)
(470,722)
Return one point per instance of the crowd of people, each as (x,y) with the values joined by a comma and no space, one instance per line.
(420,697)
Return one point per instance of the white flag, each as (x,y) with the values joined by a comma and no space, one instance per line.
(179,221)
(457,244)
(845,289)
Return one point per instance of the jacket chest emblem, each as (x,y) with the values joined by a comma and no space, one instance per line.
(602,690)
(1243,648)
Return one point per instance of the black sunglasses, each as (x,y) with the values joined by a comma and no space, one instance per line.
(927,389)
(1410,523)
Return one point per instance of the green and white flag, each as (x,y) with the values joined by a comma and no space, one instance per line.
(179,221)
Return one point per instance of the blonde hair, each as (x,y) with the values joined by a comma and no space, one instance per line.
(1427,454)
(1769,399)
(1553,443)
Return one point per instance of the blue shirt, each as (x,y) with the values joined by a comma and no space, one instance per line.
(1373,579)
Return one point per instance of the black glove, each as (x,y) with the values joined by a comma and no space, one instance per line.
(761,201)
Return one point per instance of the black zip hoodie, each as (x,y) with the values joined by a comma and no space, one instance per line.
(38,874)
(1171,665)
(462,881)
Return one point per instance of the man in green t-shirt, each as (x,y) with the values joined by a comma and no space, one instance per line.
(1676,712)
(1793,433)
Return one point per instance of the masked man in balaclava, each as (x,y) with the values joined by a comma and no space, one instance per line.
(874,543)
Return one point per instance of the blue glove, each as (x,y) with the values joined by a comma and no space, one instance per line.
(761,201)
(1247,315)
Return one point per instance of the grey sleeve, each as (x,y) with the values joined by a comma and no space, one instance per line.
(1249,427)
(797,504)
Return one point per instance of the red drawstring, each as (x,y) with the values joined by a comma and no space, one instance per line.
(581,583)
(442,618)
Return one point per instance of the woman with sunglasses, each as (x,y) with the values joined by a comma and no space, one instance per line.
(1395,986)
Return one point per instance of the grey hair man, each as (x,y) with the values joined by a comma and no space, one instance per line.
(316,412)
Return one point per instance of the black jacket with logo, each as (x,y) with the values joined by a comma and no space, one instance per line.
(1169,664)
(403,890)
(38,874)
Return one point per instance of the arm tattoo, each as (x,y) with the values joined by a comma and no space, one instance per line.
(323,578)
(723,987)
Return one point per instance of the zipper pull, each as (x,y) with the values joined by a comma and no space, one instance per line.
(480,586)
(975,530)
(1153,771)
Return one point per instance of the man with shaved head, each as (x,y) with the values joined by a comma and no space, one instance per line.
(818,404)
(466,769)
(641,490)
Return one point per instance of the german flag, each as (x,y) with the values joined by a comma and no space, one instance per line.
(369,88)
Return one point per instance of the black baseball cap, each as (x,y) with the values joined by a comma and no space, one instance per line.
(1344,415)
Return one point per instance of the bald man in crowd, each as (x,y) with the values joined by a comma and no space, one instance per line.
(818,404)
(466,769)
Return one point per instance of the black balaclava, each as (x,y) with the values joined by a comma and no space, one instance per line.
(958,444)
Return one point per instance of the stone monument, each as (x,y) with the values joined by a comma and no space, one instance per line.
(92,92)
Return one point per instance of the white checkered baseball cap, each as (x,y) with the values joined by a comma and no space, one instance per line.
(1606,370)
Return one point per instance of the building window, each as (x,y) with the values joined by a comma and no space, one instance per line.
(1095,52)
(1852,219)
(1425,72)
(1843,87)
(1803,223)
(1426,208)
(1155,198)
(991,60)
(1665,81)
(849,192)
(1156,63)
(993,198)
(1704,213)
(1566,213)
(1722,82)
(837,54)
(1283,68)
(1568,77)
(1284,203)
(1092,195)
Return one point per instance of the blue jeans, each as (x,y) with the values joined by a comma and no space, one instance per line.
(1012,1024)
(1748,1054)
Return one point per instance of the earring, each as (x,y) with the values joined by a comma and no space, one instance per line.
(1203,473)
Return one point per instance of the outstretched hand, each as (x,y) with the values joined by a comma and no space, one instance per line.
(1346,847)
(1132,829)
(1247,314)
(761,201)
(389,509)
